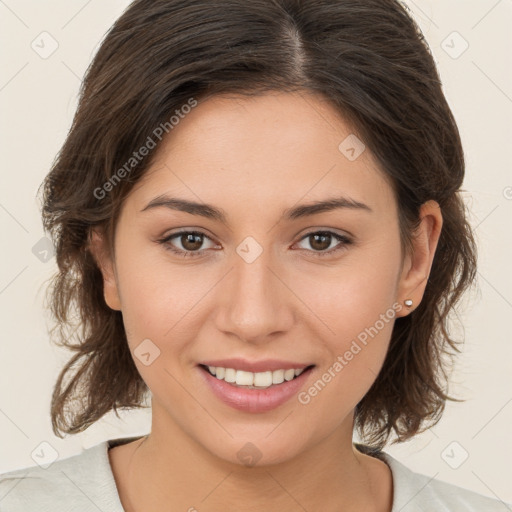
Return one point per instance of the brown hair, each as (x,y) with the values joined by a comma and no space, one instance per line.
(370,60)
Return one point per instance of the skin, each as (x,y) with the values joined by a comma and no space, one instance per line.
(253,158)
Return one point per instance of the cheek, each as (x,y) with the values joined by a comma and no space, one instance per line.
(352,296)
(355,309)
(355,357)
(153,300)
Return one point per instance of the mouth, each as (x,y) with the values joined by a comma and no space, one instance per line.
(255,380)
(255,392)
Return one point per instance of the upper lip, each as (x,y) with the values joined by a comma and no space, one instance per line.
(255,366)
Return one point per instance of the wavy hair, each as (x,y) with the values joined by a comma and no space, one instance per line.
(369,59)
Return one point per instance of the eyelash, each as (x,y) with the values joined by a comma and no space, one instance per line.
(194,254)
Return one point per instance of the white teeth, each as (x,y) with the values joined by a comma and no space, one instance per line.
(289,374)
(230,375)
(252,380)
(278,377)
(262,380)
(244,378)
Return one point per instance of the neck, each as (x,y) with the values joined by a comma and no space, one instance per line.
(169,470)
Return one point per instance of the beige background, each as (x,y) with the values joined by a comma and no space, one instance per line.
(37,99)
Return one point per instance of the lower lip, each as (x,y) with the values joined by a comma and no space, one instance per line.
(254,400)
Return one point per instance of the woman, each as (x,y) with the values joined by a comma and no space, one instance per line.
(257,216)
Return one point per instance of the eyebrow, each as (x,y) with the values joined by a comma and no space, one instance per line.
(214,213)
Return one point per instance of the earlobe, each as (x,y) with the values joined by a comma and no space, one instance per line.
(416,271)
(101,254)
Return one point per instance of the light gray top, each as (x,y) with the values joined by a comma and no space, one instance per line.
(85,483)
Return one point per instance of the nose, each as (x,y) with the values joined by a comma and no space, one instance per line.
(256,303)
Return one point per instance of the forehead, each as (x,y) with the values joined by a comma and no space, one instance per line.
(273,149)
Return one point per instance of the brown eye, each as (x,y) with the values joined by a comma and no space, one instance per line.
(191,241)
(321,241)
(186,243)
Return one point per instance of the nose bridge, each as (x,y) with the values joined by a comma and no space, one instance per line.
(255,304)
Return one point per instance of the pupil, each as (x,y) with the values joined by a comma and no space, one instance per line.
(321,246)
(192,241)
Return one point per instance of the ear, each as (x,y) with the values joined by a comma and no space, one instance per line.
(417,265)
(101,254)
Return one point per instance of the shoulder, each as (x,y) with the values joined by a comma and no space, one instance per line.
(84,480)
(417,492)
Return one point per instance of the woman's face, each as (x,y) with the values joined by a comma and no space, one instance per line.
(265,279)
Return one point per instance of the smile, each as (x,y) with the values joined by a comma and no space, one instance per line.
(251,380)
(254,392)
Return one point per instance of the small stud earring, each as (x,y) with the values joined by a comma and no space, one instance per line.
(408,303)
